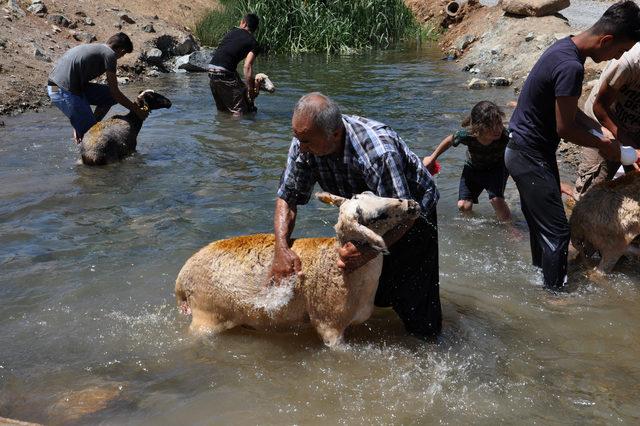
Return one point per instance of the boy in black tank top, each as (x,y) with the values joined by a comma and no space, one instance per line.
(230,93)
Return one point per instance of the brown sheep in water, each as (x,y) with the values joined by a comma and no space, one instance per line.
(110,140)
(224,285)
(607,219)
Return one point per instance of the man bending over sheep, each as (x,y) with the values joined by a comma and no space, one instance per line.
(348,155)
(71,90)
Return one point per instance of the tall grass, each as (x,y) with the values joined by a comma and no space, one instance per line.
(316,25)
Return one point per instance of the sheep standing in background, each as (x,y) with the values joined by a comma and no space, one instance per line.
(224,285)
(111,140)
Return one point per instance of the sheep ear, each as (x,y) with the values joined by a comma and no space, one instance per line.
(327,198)
(374,240)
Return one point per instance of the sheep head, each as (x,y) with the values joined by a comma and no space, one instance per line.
(263,82)
(365,217)
(152,100)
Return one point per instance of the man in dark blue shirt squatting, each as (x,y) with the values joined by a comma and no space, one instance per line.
(547,110)
(347,155)
(229,92)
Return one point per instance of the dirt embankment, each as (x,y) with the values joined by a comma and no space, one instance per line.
(30,43)
(489,44)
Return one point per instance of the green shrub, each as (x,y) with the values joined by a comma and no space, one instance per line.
(317,25)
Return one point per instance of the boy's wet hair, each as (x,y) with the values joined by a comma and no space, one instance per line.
(621,20)
(120,41)
(484,115)
(252,21)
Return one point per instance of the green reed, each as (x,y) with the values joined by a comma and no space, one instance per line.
(295,26)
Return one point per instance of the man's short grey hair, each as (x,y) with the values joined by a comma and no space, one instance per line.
(325,115)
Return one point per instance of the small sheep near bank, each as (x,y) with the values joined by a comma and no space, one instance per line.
(110,140)
(224,285)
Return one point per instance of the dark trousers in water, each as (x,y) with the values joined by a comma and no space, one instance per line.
(410,279)
(230,93)
(538,182)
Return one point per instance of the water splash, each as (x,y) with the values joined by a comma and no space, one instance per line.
(273,298)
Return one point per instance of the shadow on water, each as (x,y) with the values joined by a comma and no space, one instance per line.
(89,258)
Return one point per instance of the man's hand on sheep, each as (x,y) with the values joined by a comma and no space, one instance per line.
(285,264)
(352,256)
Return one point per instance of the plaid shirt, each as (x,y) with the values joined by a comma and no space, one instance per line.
(375,159)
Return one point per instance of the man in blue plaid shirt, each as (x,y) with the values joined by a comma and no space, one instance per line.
(348,155)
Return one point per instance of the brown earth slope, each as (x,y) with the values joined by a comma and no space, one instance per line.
(23,72)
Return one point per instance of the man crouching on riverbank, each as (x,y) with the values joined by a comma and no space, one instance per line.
(547,111)
(348,155)
(71,90)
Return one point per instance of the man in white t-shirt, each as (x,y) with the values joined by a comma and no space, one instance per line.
(615,103)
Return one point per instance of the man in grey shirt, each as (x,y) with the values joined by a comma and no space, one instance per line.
(71,90)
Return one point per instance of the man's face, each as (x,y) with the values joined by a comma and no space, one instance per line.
(612,48)
(120,53)
(313,139)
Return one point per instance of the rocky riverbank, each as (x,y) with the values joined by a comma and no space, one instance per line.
(497,43)
(34,34)
(495,47)
(501,42)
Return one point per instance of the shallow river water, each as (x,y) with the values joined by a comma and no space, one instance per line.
(89,256)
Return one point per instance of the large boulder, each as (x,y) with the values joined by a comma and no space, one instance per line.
(85,37)
(534,7)
(59,20)
(152,55)
(38,8)
(14,7)
(197,61)
(185,45)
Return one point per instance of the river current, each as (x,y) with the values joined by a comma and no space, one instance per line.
(89,257)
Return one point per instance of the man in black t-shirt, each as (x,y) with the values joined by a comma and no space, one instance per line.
(547,111)
(230,93)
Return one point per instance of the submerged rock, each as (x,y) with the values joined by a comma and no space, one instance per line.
(74,405)
(534,7)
